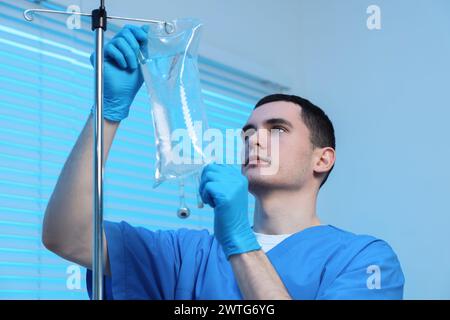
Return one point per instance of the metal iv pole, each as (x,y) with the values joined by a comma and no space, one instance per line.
(99,23)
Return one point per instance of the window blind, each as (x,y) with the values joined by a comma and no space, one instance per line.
(46,88)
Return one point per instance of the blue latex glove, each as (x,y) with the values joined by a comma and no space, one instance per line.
(226,190)
(122,77)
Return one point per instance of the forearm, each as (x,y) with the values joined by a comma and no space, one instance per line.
(68,218)
(257,278)
(226,190)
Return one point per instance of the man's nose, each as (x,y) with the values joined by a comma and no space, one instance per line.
(258,140)
(253,140)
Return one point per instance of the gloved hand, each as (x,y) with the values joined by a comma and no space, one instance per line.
(122,77)
(226,190)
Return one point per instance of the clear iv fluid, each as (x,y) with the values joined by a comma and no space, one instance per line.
(173,84)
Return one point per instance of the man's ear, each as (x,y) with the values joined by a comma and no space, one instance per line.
(324,159)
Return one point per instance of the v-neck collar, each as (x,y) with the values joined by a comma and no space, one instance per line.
(298,236)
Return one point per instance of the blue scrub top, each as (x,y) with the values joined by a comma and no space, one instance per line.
(320,262)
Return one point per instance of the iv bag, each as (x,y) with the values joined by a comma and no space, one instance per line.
(170,71)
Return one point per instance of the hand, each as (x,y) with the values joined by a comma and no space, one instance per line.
(122,77)
(226,190)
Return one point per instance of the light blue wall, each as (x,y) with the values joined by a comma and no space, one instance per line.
(387,92)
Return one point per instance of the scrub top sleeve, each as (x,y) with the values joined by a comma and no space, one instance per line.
(373,274)
(144,264)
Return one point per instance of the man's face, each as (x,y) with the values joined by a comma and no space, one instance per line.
(284,145)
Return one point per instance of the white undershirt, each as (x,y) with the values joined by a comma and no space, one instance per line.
(268,241)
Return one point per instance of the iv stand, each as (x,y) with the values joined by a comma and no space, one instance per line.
(99,22)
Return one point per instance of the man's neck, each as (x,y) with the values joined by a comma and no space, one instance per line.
(285,212)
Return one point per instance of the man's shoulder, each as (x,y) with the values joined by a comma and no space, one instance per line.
(358,264)
(363,246)
(349,238)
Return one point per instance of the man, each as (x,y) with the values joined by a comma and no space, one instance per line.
(287,254)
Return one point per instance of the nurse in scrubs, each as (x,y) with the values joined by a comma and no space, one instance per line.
(286,252)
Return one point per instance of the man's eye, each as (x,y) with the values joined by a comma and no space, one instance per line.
(279,129)
(245,135)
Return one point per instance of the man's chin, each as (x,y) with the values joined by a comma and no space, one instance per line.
(252,171)
(260,185)
(256,177)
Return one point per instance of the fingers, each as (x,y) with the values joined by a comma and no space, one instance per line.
(214,170)
(215,181)
(207,177)
(127,52)
(124,47)
(115,55)
(206,197)
(208,191)
(131,40)
(140,34)
(208,174)
(215,167)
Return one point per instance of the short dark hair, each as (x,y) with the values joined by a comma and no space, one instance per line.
(320,127)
